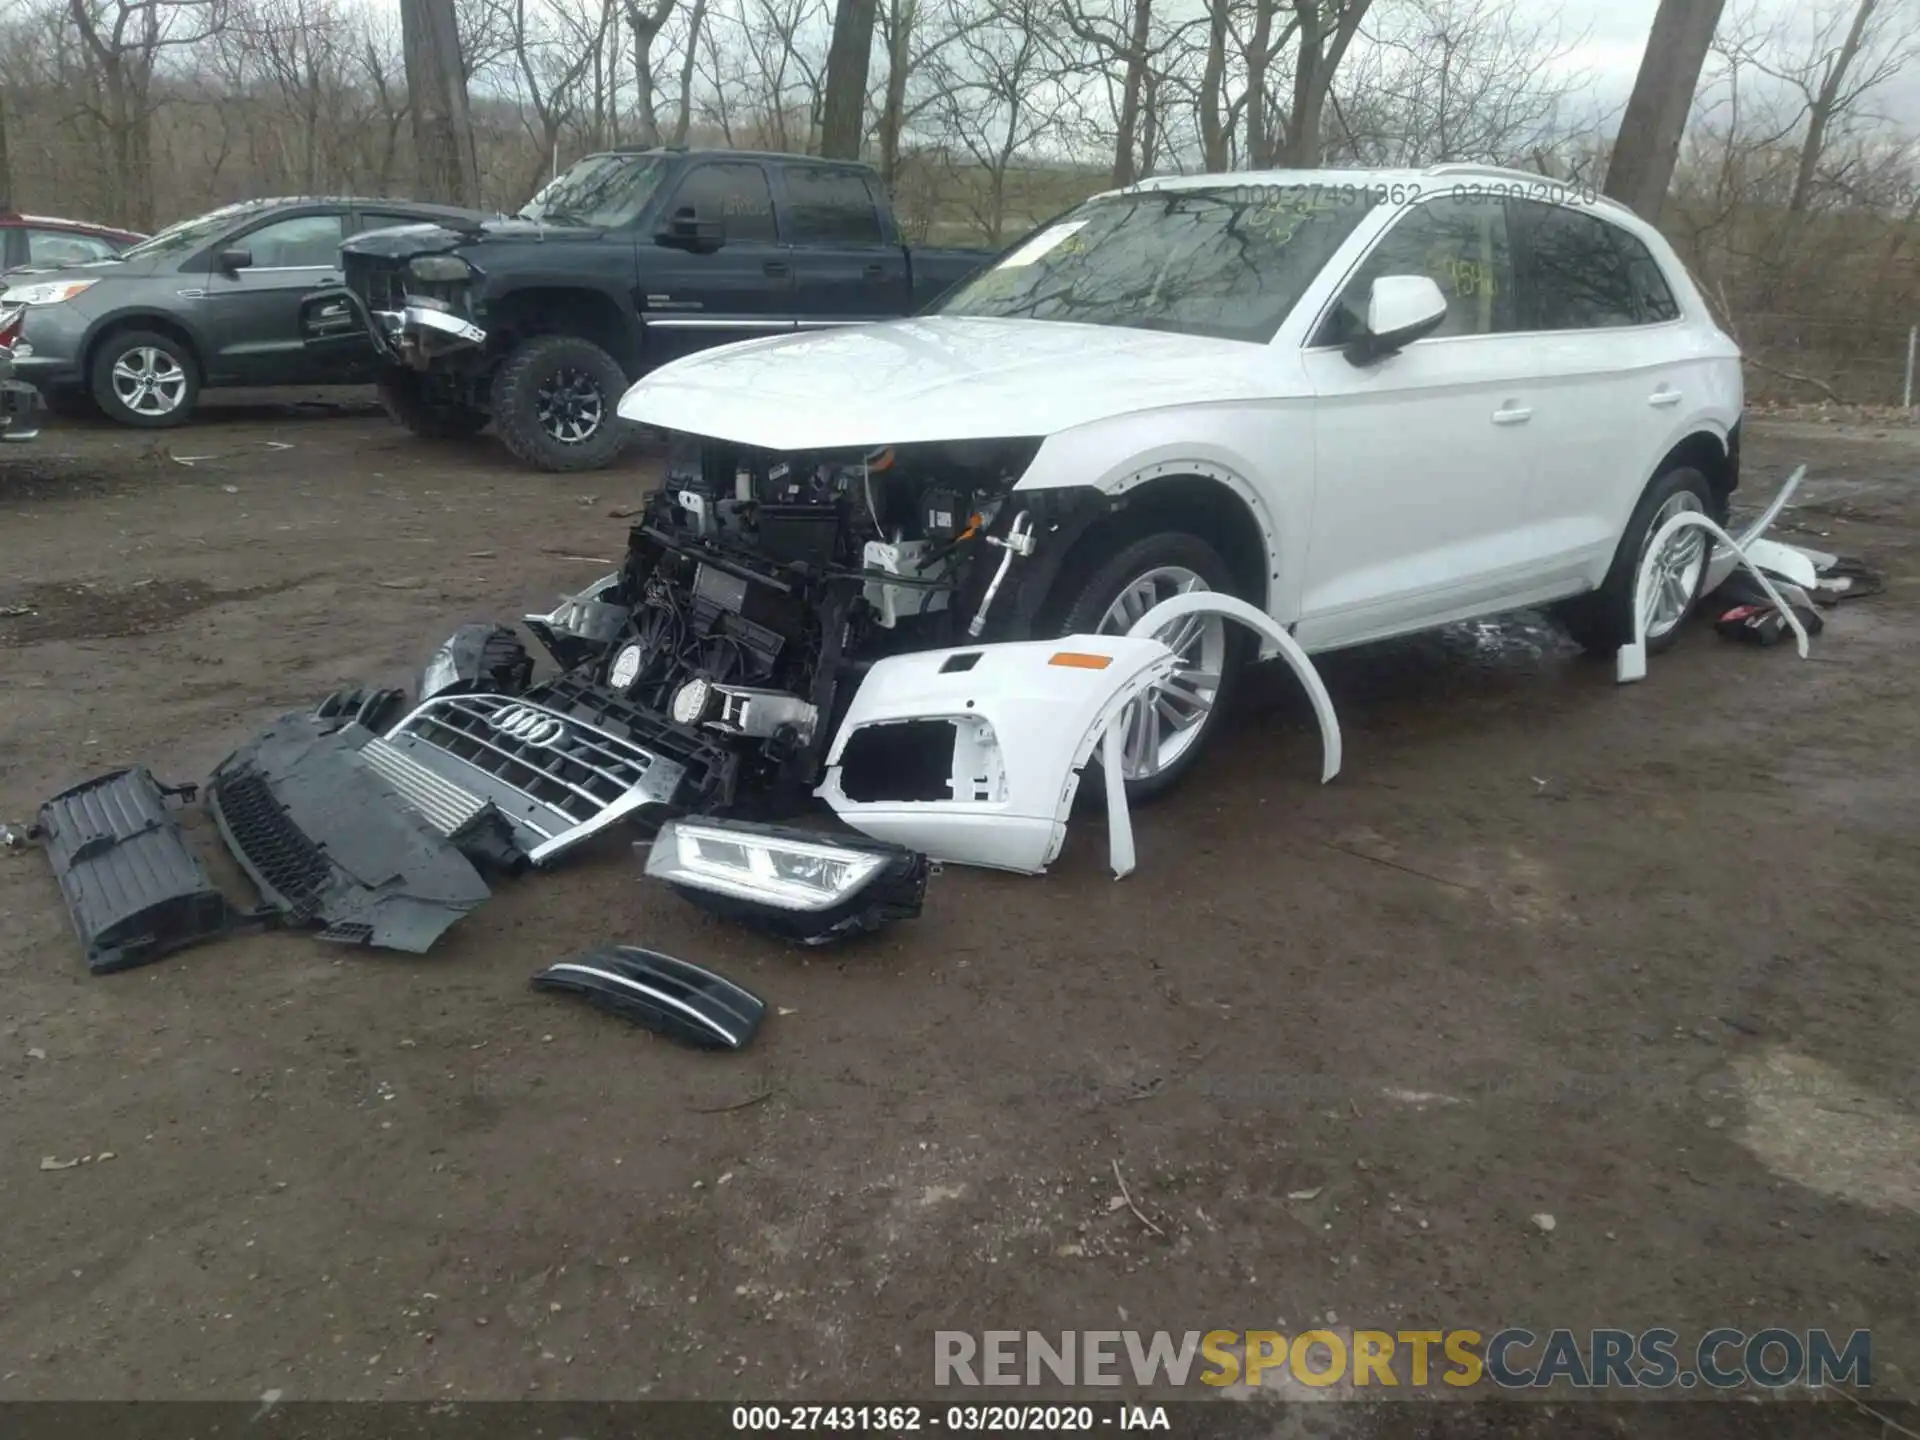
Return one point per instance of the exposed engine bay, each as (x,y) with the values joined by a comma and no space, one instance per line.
(758,588)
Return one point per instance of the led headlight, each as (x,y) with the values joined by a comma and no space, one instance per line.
(690,700)
(439,269)
(798,884)
(51,292)
(626,666)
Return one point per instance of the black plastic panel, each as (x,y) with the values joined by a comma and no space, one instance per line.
(331,843)
(134,889)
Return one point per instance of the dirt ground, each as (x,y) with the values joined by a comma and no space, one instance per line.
(1641,959)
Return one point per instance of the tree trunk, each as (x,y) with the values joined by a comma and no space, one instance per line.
(1259,52)
(843,111)
(1213,128)
(1124,171)
(1821,113)
(1649,140)
(684,120)
(6,162)
(1317,62)
(893,115)
(437,88)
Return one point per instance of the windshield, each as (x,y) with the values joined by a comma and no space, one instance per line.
(604,191)
(1227,261)
(190,235)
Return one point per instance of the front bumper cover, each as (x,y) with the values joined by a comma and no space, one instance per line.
(19,411)
(413,335)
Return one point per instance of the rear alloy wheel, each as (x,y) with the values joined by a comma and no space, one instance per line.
(143,378)
(553,404)
(1602,620)
(1165,730)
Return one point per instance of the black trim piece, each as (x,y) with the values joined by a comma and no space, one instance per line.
(134,889)
(676,998)
(329,842)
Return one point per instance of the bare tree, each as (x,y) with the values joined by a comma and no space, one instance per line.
(646,22)
(991,73)
(690,53)
(1324,29)
(842,113)
(123,40)
(1649,139)
(6,158)
(443,140)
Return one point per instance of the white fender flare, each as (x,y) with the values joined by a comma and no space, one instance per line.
(1212,602)
(1630,663)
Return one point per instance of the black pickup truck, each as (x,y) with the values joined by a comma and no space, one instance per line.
(628,259)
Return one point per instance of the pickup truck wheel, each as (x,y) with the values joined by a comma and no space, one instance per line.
(1166,730)
(143,378)
(1602,620)
(409,400)
(553,404)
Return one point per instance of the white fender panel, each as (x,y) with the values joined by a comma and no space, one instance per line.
(1025,725)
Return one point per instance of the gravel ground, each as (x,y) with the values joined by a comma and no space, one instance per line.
(1641,959)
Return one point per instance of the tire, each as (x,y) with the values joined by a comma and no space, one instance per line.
(409,401)
(524,404)
(1602,621)
(1092,606)
(145,379)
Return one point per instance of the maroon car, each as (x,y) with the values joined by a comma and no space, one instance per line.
(42,240)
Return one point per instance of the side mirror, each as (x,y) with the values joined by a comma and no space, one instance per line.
(1400,310)
(234,257)
(688,229)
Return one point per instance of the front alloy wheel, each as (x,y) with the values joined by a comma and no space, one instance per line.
(143,378)
(552,404)
(1163,724)
(149,382)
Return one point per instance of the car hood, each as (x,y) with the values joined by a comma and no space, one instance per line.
(137,269)
(403,242)
(938,378)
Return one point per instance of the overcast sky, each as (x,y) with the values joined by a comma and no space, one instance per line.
(1616,32)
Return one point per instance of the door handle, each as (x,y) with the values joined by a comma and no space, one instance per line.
(777,268)
(1512,415)
(874,272)
(1664,397)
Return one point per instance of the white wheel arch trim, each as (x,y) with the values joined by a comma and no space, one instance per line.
(1630,662)
(1275,638)
(1026,725)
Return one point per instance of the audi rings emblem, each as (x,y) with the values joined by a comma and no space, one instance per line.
(531,727)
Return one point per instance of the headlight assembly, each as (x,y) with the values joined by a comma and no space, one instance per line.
(50,292)
(439,269)
(797,884)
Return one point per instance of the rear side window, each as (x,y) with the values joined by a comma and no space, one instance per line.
(1461,245)
(303,242)
(1650,289)
(63,247)
(831,207)
(1577,275)
(732,191)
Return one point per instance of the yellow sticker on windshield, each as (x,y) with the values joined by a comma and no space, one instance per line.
(1040,244)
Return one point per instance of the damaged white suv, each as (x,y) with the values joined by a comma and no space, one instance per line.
(1366,402)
